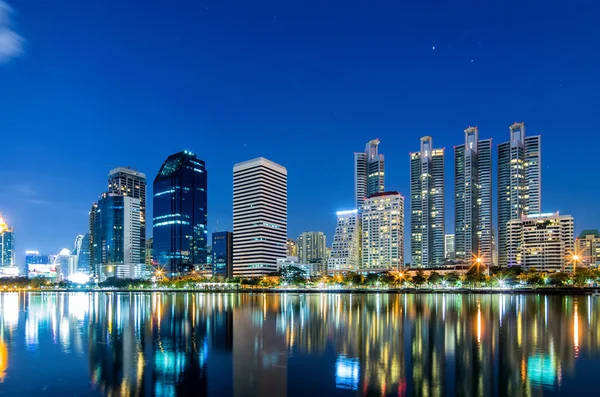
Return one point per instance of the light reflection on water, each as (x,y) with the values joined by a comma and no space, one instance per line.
(276,344)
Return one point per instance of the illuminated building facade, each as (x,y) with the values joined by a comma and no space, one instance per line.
(369,173)
(542,242)
(222,254)
(449,252)
(7,245)
(345,249)
(311,250)
(259,217)
(427,205)
(519,184)
(292,247)
(473,198)
(116,250)
(129,182)
(383,232)
(587,245)
(180,214)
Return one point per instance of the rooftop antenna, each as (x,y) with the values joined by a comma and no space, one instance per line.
(217,226)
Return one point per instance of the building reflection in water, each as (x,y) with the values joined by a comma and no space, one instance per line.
(165,344)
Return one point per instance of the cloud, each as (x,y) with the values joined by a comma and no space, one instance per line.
(28,194)
(11,43)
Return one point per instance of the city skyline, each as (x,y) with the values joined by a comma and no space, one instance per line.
(339,97)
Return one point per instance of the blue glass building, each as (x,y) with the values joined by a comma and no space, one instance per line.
(180,214)
(222,254)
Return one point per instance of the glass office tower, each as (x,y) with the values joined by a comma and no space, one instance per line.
(180,214)
(222,254)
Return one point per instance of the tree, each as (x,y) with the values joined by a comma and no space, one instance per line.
(419,278)
(474,276)
(434,278)
(559,279)
(452,278)
(293,275)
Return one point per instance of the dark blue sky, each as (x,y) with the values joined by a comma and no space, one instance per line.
(303,83)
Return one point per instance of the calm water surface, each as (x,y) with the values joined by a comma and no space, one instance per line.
(80,344)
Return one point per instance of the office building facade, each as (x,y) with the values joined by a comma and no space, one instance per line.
(543,242)
(473,198)
(180,215)
(345,249)
(259,217)
(519,184)
(292,247)
(129,182)
(7,245)
(383,232)
(369,173)
(222,254)
(449,252)
(116,238)
(427,203)
(311,250)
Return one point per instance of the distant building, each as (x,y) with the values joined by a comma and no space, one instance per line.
(345,250)
(91,239)
(473,198)
(116,250)
(383,232)
(427,202)
(149,253)
(543,242)
(292,247)
(129,182)
(449,252)
(587,246)
(180,214)
(37,265)
(222,254)
(311,250)
(306,269)
(64,263)
(519,184)
(369,173)
(7,245)
(259,217)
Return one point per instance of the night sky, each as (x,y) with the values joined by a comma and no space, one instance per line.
(89,85)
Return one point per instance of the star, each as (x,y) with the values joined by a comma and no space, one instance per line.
(471,61)
(433,48)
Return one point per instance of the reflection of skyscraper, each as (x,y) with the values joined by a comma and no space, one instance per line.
(427,205)
(180,213)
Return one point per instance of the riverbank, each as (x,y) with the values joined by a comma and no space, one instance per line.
(464,291)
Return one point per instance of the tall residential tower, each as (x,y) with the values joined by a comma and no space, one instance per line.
(519,183)
(345,249)
(473,198)
(369,174)
(259,217)
(427,205)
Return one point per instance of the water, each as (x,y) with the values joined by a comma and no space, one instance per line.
(151,344)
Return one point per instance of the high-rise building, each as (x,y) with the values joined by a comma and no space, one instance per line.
(292,247)
(519,183)
(91,231)
(383,232)
(449,252)
(345,249)
(311,251)
(129,182)
(473,198)
(222,254)
(116,238)
(77,253)
(63,262)
(259,217)
(587,246)
(180,214)
(83,257)
(542,242)
(7,245)
(149,253)
(427,205)
(369,173)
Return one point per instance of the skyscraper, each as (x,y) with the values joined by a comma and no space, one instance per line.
(383,232)
(116,238)
(311,251)
(91,238)
(128,182)
(449,252)
(222,254)
(473,198)
(345,249)
(587,246)
(7,248)
(427,205)
(180,214)
(519,183)
(259,217)
(292,247)
(369,173)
